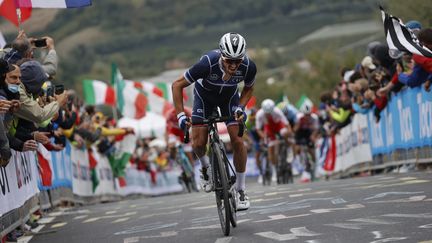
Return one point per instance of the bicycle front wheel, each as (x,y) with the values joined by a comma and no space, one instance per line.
(222,190)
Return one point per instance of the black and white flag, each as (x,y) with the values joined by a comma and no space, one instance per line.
(399,37)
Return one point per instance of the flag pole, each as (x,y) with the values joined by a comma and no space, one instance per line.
(18,12)
(114,108)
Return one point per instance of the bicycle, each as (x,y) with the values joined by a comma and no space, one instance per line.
(266,171)
(187,177)
(306,160)
(284,172)
(224,176)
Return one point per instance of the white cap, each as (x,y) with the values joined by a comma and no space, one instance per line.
(367,62)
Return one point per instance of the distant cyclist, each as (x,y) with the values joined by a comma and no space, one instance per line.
(289,110)
(306,131)
(270,122)
(216,77)
(255,139)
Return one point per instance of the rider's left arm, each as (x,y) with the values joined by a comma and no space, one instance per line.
(245,95)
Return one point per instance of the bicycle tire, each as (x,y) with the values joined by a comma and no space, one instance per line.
(222,194)
(267,175)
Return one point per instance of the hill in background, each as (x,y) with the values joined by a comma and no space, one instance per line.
(146,37)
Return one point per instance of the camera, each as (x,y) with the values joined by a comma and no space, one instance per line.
(59,89)
(40,42)
(54,90)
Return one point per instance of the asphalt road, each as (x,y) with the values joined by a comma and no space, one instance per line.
(387,208)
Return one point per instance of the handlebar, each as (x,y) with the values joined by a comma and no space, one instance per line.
(213,120)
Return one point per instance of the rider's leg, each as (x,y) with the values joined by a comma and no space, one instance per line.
(240,155)
(199,142)
(272,156)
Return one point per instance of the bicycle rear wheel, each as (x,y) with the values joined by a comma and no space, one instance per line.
(222,190)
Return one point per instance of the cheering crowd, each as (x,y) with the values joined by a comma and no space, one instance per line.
(370,84)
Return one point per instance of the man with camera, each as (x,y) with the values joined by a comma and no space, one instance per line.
(23,47)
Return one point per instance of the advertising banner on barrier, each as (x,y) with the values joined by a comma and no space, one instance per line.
(139,182)
(353,144)
(405,123)
(81,177)
(105,175)
(18,181)
(55,168)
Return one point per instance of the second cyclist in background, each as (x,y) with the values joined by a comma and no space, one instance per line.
(270,122)
(306,131)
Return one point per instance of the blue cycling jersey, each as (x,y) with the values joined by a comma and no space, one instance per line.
(211,90)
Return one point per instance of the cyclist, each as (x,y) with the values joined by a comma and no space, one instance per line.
(255,140)
(306,130)
(216,77)
(270,121)
(290,112)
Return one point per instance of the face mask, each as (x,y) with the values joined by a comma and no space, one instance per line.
(13,88)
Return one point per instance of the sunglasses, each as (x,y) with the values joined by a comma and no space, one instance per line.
(232,61)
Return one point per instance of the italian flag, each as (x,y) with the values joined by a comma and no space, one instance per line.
(303,101)
(161,89)
(125,147)
(98,93)
(131,101)
(155,96)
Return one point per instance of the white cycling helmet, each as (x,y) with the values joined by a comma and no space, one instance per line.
(267,105)
(232,45)
(306,108)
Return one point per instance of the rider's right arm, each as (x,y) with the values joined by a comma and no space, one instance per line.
(177,91)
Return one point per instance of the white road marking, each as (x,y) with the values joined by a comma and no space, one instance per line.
(37,229)
(280,217)
(24,239)
(426,226)
(204,207)
(58,225)
(213,226)
(46,220)
(338,201)
(381,195)
(161,235)
(120,220)
(111,212)
(81,217)
(403,215)
(360,222)
(377,234)
(328,210)
(223,240)
(146,227)
(295,232)
(267,199)
(91,220)
(83,211)
(307,194)
(131,240)
(159,214)
(403,200)
(390,239)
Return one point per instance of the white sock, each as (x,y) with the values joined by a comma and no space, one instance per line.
(273,168)
(241,181)
(204,161)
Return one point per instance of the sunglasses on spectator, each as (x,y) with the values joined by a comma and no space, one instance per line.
(232,61)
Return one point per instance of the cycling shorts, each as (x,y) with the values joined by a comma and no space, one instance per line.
(302,137)
(271,130)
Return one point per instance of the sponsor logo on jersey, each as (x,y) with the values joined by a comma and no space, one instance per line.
(214,77)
